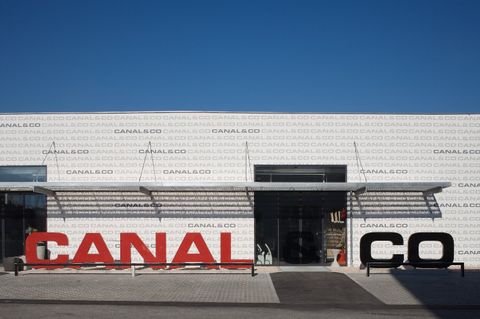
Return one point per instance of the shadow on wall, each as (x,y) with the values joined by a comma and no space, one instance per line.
(230,204)
(394,205)
(157,205)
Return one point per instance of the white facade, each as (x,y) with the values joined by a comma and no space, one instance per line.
(212,147)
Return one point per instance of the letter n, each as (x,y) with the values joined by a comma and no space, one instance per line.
(127,240)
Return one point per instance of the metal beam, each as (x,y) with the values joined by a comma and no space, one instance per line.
(44,191)
(148,187)
(361,190)
(145,190)
(433,190)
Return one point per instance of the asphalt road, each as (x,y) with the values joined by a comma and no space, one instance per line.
(49,311)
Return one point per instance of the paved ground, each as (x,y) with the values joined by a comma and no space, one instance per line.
(430,289)
(154,287)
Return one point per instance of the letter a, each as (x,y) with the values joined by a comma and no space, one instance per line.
(83,255)
(203,256)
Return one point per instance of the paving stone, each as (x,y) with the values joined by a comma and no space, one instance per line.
(147,287)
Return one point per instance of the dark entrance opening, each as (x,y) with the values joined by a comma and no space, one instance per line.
(20,212)
(293,227)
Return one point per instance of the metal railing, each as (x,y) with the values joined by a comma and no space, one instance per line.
(132,265)
(425,264)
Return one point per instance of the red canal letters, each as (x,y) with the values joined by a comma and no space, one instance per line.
(127,241)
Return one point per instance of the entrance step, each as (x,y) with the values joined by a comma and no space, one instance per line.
(305,268)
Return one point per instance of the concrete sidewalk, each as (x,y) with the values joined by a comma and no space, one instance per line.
(271,286)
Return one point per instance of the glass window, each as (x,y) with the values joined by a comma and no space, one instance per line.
(23,173)
(301,173)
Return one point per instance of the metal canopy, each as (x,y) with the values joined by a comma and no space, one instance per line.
(50,188)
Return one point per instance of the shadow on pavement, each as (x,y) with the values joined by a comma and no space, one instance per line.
(440,288)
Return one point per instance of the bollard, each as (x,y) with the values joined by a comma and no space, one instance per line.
(133,271)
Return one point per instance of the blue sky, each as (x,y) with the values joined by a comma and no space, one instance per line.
(309,56)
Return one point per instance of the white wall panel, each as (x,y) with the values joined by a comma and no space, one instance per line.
(211,147)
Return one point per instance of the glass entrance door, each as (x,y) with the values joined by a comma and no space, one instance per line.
(293,227)
(2,225)
(14,229)
(289,227)
(301,235)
